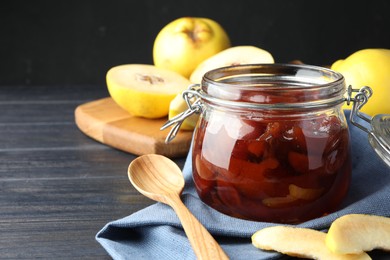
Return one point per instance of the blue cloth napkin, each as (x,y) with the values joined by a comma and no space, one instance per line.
(155,232)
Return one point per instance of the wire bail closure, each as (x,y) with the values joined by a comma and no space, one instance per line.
(359,101)
(379,131)
(193,101)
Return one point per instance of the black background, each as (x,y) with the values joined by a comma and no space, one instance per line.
(76,42)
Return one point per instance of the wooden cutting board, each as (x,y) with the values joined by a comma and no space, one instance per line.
(104,121)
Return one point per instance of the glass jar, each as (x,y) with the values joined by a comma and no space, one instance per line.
(272,142)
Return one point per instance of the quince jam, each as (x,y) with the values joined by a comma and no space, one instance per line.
(281,166)
(275,171)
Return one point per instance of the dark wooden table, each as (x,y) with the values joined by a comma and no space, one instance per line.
(58,187)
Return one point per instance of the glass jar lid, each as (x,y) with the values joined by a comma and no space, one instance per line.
(273,87)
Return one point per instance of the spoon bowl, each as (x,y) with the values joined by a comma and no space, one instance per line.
(160,179)
(155,176)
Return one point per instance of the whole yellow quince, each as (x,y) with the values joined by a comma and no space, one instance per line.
(368,67)
(185,42)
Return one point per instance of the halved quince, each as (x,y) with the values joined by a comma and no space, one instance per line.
(144,90)
(298,242)
(232,56)
(355,233)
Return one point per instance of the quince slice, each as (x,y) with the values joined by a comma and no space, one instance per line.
(144,90)
(275,202)
(298,242)
(355,233)
(232,56)
(304,193)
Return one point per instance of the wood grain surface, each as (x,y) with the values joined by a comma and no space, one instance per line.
(58,187)
(104,121)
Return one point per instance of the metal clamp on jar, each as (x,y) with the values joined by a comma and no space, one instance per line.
(272,141)
(378,128)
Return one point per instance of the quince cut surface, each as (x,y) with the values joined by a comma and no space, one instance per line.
(144,90)
(355,233)
(298,242)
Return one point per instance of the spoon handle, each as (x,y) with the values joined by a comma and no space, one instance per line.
(202,242)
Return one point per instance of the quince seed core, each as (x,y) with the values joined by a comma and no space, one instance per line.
(151,79)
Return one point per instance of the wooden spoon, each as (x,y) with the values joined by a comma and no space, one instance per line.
(160,179)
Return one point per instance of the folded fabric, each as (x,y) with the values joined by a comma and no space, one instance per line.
(156,233)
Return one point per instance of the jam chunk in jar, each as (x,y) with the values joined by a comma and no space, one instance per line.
(272,143)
